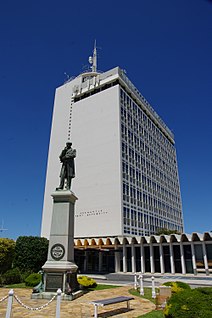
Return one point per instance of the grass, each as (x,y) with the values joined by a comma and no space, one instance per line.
(153,314)
(98,287)
(20,285)
(147,294)
(102,286)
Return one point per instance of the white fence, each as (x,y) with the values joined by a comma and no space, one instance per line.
(12,295)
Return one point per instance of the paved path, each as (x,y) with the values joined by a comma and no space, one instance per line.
(79,308)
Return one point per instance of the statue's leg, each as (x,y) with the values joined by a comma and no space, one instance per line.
(68,184)
(62,181)
(62,178)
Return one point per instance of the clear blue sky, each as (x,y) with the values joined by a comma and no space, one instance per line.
(165,47)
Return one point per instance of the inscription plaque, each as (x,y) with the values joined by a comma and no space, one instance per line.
(54,281)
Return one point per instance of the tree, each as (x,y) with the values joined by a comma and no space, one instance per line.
(7,249)
(30,253)
(167,232)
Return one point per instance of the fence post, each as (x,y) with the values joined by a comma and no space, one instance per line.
(135,281)
(9,303)
(59,292)
(141,285)
(153,288)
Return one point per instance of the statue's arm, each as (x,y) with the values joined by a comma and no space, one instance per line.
(70,154)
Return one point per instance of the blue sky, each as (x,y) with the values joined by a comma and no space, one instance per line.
(165,47)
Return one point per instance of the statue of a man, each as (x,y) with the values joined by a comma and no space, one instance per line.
(68,170)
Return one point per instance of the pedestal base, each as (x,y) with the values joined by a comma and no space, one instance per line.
(60,271)
(49,295)
(61,274)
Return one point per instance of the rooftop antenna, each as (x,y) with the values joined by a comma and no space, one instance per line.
(2,227)
(93,59)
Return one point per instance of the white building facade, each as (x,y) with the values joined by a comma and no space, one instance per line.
(126,168)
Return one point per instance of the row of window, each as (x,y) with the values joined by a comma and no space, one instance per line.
(151,193)
(137,112)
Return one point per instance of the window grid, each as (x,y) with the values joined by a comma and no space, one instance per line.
(151,192)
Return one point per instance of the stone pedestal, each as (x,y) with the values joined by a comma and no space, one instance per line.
(60,271)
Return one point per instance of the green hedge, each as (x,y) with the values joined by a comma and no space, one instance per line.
(12,276)
(177,286)
(33,279)
(193,303)
(30,253)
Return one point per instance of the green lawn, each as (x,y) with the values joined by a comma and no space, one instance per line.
(102,286)
(147,294)
(153,314)
(98,287)
(20,285)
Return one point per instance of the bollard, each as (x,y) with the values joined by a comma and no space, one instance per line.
(141,285)
(9,303)
(153,288)
(135,281)
(59,292)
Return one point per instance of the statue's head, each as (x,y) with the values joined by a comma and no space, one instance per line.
(69,144)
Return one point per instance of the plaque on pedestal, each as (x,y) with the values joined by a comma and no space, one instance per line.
(54,281)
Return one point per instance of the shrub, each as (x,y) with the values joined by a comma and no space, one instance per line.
(7,249)
(30,253)
(177,286)
(33,279)
(12,276)
(24,275)
(190,303)
(86,282)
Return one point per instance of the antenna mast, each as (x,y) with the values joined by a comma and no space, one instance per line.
(2,227)
(94,66)
(93,59)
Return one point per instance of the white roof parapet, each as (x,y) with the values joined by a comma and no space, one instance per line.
(147,238)
(157,238)
(139,239)
(189,237)
(199,235)
(207,234)
(177,237)
(104,240)
(134,238)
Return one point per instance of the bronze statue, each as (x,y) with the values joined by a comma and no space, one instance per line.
(68,170)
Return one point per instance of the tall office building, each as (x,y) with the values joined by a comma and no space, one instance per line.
(126,168)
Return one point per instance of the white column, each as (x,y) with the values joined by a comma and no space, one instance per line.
(193,258)
(182,258)
(142,259)
(205,258)
(124,258)
(152,264)
(171,258)
(162,267)
(133,258)
(117,259)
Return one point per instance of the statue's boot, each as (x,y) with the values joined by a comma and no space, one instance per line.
(68,185)
(61,186)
